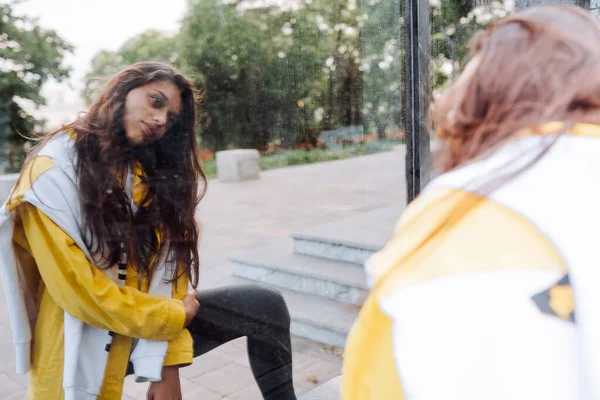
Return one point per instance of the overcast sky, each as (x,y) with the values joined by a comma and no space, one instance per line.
(93,25)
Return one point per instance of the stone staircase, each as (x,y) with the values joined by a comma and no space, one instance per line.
(320,271)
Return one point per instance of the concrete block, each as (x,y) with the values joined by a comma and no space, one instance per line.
(238,165)
(6,184)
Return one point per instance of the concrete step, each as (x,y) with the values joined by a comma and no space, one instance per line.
(330,390)
(278,265)
(351,240)
(316,318)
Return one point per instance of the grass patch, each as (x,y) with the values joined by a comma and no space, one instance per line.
(289,158)
(210,168)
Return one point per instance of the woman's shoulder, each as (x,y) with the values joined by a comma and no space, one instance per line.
(60,149)
(443,233)
(30,173)
(59,146)
(56,153)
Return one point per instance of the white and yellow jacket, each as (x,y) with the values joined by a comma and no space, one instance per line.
(74,324)
(489,286)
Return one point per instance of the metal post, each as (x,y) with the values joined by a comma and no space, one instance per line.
(417,96)
(583,3)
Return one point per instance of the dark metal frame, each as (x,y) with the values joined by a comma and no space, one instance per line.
(417,96)
(583,3)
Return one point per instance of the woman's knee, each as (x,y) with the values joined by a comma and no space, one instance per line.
(254,301)
(272,303)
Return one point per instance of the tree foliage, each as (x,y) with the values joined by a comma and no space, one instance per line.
(286,74)
(149,46)
(453,22)
(29,56)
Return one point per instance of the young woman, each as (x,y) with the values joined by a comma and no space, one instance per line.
(105,247)
(488,288)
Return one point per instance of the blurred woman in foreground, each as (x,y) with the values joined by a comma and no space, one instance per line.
(488,288)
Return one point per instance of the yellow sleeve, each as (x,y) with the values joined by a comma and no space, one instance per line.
(180,351)
(86,293)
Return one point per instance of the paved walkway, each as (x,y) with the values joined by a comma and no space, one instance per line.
(248,214)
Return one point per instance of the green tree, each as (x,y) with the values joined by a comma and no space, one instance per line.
(274,74)
(382,63)
(226,54)
(151,45)
(29,56)
(453,23)
(287,74)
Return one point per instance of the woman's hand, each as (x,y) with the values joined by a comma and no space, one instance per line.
(169,388)
(191,306)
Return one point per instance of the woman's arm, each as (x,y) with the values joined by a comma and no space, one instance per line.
(180,352)
(86,293)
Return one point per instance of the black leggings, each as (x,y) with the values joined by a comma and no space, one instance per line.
(259,313)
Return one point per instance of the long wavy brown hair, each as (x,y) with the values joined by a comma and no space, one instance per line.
(539,65)
(172,173)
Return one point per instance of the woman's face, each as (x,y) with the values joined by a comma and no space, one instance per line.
(150,111)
